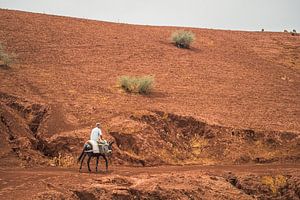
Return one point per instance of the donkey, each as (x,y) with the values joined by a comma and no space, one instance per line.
(87,150)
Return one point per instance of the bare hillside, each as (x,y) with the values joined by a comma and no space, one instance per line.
(65,80)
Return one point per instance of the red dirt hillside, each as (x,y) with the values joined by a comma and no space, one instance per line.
(233,97)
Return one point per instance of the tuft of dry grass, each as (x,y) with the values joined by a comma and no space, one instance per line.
(133,84)
(182,39)
(63,160)
(274,183)
(6,59)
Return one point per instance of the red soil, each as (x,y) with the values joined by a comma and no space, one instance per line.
(188,182)
(232,98)
(231,78)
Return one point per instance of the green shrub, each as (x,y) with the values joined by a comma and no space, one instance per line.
(183,39)
(132,84)
(6,58)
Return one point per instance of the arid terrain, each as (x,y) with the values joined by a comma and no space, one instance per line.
(164,182)
(222,121)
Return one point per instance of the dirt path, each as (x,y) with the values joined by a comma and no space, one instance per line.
(132,171)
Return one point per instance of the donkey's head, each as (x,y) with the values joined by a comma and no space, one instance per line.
(110,145)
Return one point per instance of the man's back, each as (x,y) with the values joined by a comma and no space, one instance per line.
(95,134)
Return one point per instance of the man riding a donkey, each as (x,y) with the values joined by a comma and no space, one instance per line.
(95,147)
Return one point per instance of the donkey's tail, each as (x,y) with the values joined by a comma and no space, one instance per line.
(79,158)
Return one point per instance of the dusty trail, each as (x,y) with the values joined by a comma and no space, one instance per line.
(132,171)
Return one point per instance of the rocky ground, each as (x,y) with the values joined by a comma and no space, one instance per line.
(164,182)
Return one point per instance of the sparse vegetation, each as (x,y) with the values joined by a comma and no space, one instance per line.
(5,58)
(274,183)
(62,161)
(183,39)
(132,84)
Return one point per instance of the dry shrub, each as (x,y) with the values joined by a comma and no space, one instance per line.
(198,142)
(133,84)
(274,183)
(183,39)
(6,58)
(63,160)
(49,194)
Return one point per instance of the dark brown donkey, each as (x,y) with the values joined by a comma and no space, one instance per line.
(87,151)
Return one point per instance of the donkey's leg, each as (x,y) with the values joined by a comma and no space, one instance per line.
(82,159)
(106,162)
(88,163)
(97,161)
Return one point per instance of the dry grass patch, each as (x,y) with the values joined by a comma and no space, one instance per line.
(5,58)
(134,84)
(183,39)
(274,183)
(63,161)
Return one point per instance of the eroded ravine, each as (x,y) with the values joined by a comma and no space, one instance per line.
(155,137)
(145,138)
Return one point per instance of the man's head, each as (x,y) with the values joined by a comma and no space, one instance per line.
(98,125)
